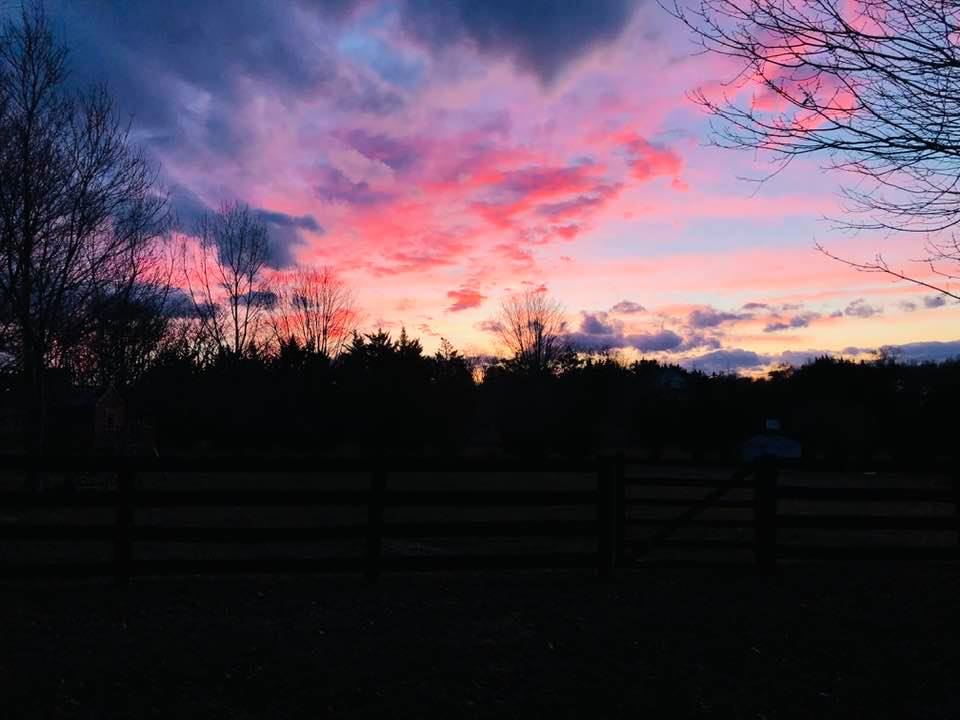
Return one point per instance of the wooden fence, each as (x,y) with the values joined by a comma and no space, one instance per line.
(770,520)
(609,502)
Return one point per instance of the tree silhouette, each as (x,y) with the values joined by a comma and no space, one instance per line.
(79,210)
(223,273)
(531,326)
(317,309)
(872,85)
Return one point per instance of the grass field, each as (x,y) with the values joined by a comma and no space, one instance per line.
(821,640)
(814,642)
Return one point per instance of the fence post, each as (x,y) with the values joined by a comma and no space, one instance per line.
(955,486)
(123,537)
(374,550)
(765,514)
(620,512)
(606,517)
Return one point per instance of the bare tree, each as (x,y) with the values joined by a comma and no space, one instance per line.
(317,309)
(78,203)
(131,316)
(873,85)
(531,326)
(224,275)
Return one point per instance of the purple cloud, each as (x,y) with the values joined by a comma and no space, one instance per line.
(536,35)
(335,187)
(798,321)
(726,361)
(711,317)
(861,309)
(627,307)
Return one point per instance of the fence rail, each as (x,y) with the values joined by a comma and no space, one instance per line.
(127,502)
(612,504)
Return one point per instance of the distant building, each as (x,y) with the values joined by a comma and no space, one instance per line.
(79,420)
(771,443)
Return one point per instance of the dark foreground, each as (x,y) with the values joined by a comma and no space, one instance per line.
(815,642)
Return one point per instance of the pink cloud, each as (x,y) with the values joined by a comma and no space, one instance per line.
(650,161)
(464,299)
(482,180)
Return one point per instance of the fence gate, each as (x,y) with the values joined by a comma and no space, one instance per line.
(678,516)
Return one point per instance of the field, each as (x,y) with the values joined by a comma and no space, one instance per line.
(814,642)
(870,639)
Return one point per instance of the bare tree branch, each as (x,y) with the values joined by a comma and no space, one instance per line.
(317,309)
(223,274)
(531,327)
(79,207)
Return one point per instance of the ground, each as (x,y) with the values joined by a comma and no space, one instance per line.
(821,641)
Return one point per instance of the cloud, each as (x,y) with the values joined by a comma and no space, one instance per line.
(755,306)
(537,35)
(186,206)
(582,204)
(150,52)
(860,308)
(543,180)
(711,317)
(930,351)
(918,352)
(464,299)
(798,321)
(598,324)
(662,341)
(599,331)
(284,232)
(517,199)
(726,361)
(262,298)
(649,160)
(399,154)
(301,222)
(333,186)
(654,342)
(490,326)
(192,72)
(697,341)
(628,307)
(929,301)
(179,305)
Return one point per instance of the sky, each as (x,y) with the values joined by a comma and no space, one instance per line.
(442,154)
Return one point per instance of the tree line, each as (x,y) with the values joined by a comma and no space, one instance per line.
(385,394)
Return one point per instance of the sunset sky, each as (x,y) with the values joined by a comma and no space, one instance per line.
(443,153)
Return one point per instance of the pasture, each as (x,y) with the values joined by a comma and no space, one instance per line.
(828,637)
(824,641)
